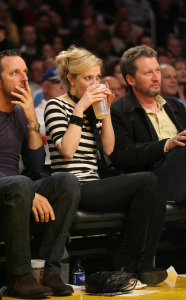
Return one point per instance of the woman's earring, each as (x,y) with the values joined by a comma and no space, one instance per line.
(73,90)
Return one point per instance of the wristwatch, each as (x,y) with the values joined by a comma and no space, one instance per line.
(35,128)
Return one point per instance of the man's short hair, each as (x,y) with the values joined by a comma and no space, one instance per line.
(128,59)
(9,52)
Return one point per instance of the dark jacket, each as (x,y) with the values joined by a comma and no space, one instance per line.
(137,146)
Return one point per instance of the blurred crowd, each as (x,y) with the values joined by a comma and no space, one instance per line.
(43,28)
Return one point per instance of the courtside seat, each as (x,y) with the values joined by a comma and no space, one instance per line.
(175,213)
(86,223)
(95,222)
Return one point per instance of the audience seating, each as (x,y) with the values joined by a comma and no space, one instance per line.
(101,225)
(89,224)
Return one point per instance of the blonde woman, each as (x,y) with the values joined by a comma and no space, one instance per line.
(73,149)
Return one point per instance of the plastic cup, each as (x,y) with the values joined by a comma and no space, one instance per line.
(38,269)
(100,107)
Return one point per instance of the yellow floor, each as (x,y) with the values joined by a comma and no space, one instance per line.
(164,290)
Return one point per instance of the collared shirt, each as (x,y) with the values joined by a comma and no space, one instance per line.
(162,123)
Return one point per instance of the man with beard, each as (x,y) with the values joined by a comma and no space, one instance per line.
(52,200)
(150,131)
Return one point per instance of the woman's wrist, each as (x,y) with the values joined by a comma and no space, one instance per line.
(78,112)
(77,120)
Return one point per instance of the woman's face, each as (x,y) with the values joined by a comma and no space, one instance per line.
(181,72)
(83,80)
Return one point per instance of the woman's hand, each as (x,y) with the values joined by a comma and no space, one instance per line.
(110,95)
(94,95)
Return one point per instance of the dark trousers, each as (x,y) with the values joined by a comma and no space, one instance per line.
(16,196)
(138,195)
(171,172)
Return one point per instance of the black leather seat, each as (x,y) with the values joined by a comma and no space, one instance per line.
(94,222)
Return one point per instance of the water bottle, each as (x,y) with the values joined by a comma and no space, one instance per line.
(78,274)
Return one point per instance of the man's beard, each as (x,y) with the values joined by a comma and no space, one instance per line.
(152,93)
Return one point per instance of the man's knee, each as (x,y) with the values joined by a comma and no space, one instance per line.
(23,183)
(19,188)
(66,179)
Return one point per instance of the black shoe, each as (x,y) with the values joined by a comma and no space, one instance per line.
(26,286)
(59,288)
(152,276)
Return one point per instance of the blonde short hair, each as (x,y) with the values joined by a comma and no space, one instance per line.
(75,60)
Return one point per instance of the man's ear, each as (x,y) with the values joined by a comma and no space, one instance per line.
(130,79)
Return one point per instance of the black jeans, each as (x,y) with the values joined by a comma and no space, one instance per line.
(138,195)
(16,196)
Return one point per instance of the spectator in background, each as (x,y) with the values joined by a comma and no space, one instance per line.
(87,18)
(28,47)
(51,87)
(89,37)
(138,12)
(4,42)
(145,39)
(46,51)
(89,23)
(57,44)
(38,95)
(163,57)
(35,74)
(44,8)
(180,65)
(68,11)
(114,85)
(124,35)
(16,14)
(43,28)
(104,47)
(30,10)
(174,46)
(113,69)
(61,31)
(168,81)
(166,14)
(49,62)
(106,11)
(12,29)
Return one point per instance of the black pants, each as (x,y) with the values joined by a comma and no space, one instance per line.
(138,195)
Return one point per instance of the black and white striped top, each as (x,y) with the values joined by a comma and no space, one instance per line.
(84,162)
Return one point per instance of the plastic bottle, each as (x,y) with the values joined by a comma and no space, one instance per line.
(78,273)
